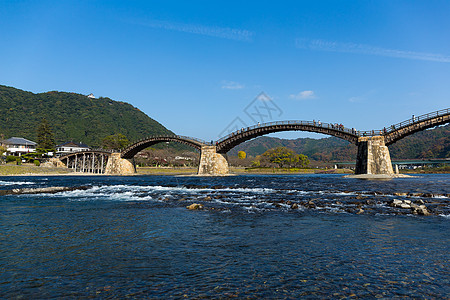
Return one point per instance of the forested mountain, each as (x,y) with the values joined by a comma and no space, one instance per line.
(432,143)
(72,117)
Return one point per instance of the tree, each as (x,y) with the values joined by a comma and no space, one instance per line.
(282,156)
(242,155)
(116,141)
(45,138)
(256,163)
(2,150)
(303,160)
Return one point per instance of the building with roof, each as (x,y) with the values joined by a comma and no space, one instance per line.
(70,147)
(18,146)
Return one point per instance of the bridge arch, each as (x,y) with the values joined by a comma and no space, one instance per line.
(133,149)
(398,131)
(230,141)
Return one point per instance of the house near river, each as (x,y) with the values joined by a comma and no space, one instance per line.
(17,146)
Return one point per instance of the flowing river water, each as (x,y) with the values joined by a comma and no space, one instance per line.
(257,236)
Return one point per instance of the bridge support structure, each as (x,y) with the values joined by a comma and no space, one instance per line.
(119,166)
(212,163)
(373,156)
(84,161)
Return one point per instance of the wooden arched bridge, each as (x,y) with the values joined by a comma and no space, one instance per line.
(373,155)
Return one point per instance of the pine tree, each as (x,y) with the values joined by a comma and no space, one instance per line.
(45,138)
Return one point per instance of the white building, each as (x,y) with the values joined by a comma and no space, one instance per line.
(18,146)
(70,147)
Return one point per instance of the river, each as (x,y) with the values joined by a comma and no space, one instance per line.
(257,236)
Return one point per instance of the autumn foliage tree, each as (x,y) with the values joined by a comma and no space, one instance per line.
(242,155)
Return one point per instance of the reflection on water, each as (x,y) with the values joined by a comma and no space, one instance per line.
(258,236)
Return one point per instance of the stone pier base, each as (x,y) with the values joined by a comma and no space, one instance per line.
(54,162)
(119,166)
(373,156)
(212,163)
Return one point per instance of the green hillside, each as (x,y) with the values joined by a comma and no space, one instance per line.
(72,117)
(432,143)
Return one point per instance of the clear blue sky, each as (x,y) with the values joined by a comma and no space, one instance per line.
(195,66)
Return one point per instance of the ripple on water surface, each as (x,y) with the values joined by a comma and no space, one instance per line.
(258,236)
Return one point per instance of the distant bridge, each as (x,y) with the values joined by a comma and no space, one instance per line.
(373,155)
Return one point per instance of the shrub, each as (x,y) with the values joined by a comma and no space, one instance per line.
(37,163)
(10,158)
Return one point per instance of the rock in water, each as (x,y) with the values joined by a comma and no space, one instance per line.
(194,206)
(45,190)
(407,204)
(396,203)
(420,210)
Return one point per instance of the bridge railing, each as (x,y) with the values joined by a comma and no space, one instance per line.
(313,123)
(414,119)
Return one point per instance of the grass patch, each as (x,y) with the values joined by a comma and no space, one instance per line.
(30,169)
(166,171)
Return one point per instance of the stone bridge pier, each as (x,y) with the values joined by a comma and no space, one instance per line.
(212,163)
(119,166)
(373,156)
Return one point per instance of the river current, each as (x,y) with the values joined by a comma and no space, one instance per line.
(257,236)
